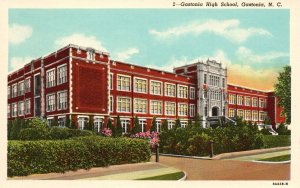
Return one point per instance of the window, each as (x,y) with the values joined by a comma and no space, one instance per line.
(98,124)
(123,104)
(158,124)
(231,112)
(192,93)
(205,78)
(214,80)
(192,110)
(111,103)
(62,100)
(140,85)
(247,101)
(143,124)
(90,55)
(125,125)
(8,92)
(171,124)
(27,106)
(21,88)
(182,109)
(254,115)
(50,121)
(254,102)
(27,85)
(140,106)
(50,78)
(240,113)
(14,90)
(82,122)
(111,81)
(215,95)
(21,108)
(182,92)
(231,99)
(247,115)
(240,100)
(62,74)
(262,115)
(50,102)
(14,109)
(156,107)
(183,124)
(170,90)
(62,121)
(123,83)
(170,108)
(8,110)
(262,103)
(155,88)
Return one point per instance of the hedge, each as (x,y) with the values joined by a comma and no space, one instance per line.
(271,141)
(45,156)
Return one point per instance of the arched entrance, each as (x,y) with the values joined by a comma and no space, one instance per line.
(215,111)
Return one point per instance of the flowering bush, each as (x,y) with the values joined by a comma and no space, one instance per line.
(106,132)
(153,137)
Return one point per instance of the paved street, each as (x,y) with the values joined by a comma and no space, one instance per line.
(198,169)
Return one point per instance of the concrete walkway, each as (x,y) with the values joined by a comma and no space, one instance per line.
(261,156)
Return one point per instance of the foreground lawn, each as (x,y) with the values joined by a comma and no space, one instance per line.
(278,158)
(172,176)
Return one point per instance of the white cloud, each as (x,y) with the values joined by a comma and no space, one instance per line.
(125,55)
(18,62)
(81,40)
(19,33)
(248,55)
(230,29)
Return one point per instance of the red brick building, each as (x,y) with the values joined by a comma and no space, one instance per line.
(81,83)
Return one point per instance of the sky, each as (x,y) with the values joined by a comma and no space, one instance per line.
(252,43)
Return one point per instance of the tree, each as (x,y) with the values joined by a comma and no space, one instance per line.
(164,126)
(153,125)
(283,92)
(198,122)
(267,120)
(55,122)
(136,126)
(90,125)
(190,124)
(72,124)
(177,123)
(118,130)
(68,122)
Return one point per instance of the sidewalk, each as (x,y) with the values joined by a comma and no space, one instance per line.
(116,172)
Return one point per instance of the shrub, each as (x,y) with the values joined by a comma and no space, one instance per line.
(282,130)
(44,156)
(265,132)
(271,141)
(38,133)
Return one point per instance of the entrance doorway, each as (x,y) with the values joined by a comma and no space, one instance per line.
(215,111)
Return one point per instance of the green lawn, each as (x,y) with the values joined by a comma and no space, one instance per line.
(172,176)
(278,158)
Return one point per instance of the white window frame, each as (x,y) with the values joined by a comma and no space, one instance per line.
(135,80)
(254,99)
(254,115)
(14,109)
(50,83)
(181,93)
(27,110)
(111,103)
(262,115)
(111,81)
(90,55)
(8,110)
(192,110)
(21,88)
(167,106)
(167,93)
(136,106)
(27,85)
(119,108)
(98,124)
(143,124)
(158,125)
(247,114)
(152,110)
(232,99)
(171,124)
(238,113)
(59,122)
(82,122)
(192,93)
(50,121)
(62,76)
(14,90)
(119,79)
(262,103)
(183,124)
(180,112)
(8,92)
(152,91)
(125,125)
(231,112)
(53,106)
(247,100)
(60,105)
(21,108)
(240,99)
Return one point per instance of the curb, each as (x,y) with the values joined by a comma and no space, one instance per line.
(270,162)
(186,156)
(249,152)
(184,177)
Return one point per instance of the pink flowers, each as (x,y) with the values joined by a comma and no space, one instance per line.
(153,137)
(106,132)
